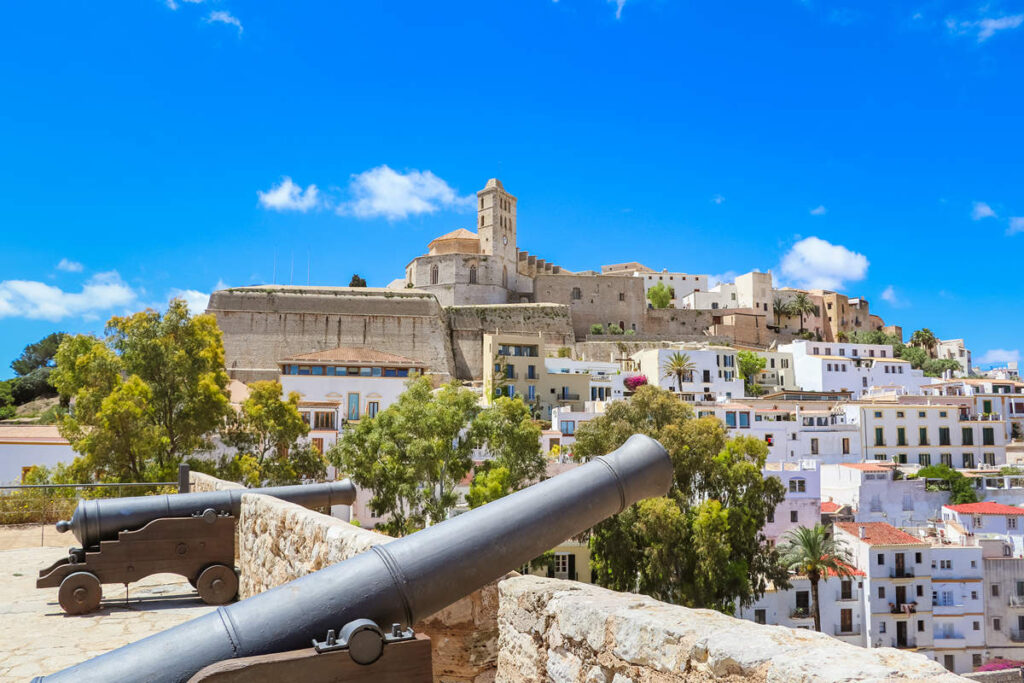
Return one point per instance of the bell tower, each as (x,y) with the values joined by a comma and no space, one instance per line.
(496,225)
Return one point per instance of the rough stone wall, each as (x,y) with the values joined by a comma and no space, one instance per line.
(603,299)
(1005,676)
(454,288)
(569,632)
(469,323)
(280,541)
(682,324)
(263,325)
(199,482)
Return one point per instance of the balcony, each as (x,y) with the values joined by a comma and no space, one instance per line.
(903,608)
(1017,601)
(851,596)
(904,573)
(1017,635)
(905,644)
(953,640)
(984,417)
(568,397)
(853,631)
(941,609)
(800,613)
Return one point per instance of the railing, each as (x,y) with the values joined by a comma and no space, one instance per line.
(983,417)
(800,613)
(1017,601)
(948,637)
(44,504)
(849,597)
(853,631)
(1017,635)
(903,608)
(905,573)
(904,644)
(568,397)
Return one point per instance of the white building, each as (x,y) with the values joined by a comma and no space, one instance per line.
(958,605)
(954,349)
(606,378)
(924,434)
(778,372)
(680,284)
(23,447)
(1004,599)
(835,366)
(987,519)
(714,375)
(990,399)
(565,421)
(802,505)
(344,385)
(870,490)
(897,585)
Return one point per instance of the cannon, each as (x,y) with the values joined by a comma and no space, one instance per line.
(191,534)
(394,585)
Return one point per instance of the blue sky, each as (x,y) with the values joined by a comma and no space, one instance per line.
(872,146)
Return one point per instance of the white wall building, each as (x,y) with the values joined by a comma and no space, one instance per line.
(870,490)
(991,399)
(925,434)
(778,372)
(835,366)
(565,421)
(955,349)
(986,520)
(23,447)
(714,376)
(958,605)
(802,505)
(344,385)
(606,378)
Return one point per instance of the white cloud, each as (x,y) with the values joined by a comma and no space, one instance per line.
(889,295)
(197,301)
(1016,225)
(817,264)
(999,356)
(40,301)
(69,266)
(289,197)
(727,276)
(982,210)
(220,16)
(385,192)
(174,5)
(619,4)
(819,210)
(986,27)
(718,199)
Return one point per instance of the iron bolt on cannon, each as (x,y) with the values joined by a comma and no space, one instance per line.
(191,534)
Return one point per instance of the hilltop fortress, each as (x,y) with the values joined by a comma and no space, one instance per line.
(469,283)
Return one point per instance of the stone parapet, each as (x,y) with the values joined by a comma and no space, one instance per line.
(199,483)
(569,632)
(281,541)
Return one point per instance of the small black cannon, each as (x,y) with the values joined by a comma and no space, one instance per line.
(393,585)
(192,534)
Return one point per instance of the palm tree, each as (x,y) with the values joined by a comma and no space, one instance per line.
(813,552)
(801,305)
(924,338)
(679,366)
(781,309)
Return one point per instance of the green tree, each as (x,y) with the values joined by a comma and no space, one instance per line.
(801,305)
(412,454)
(266,429)
(7,409)
(934,367)
(924,339)
(357,281)
(917,356)
(147,397)
(814,553)
(489,484)
(614,329)
(960,489)
(679,367)
(659,295)
(749,364)
(512,438)
(782,309)
(41,354)
(702,545)
(597,328)
(564,352)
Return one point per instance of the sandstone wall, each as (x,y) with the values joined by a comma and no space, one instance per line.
(570,632)
(468,324)
(199,482)
(263,325)
(280,541)
(603,300)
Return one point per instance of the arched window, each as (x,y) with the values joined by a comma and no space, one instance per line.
(433,275)
(504,277)
(577,293)
(472,275)
(481,221)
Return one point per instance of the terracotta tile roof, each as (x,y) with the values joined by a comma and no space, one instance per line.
(866,466)
(829,506)
(460,234)
(357,356)
(30,433)
(986,508)
(853,570)
(879,533)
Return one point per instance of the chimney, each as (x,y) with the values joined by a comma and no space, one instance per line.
(863,532)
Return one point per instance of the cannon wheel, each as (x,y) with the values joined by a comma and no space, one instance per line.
(217,584)
(80,593)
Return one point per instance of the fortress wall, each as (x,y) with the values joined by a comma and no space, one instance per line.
(678,324)
(262,325)
(469,323)
(603,299)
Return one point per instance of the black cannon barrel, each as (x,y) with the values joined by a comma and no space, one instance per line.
(402,581)
(100,519)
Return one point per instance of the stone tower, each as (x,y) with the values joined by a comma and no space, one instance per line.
(496,225)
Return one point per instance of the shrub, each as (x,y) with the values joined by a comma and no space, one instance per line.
(597,328)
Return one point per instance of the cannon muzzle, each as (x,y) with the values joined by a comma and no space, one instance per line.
(403,581)
(102,518)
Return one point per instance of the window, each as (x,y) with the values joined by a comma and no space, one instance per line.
(797,485)
(759,616)
(920,414)
(531,372)
(531,392)
(372,408)
(968,459)
(878,413)
(922,436)
(770,517)
(846,446)
(434,274)
(920,591)
(975,625)
(943,436)
(744,420)
(318,444)
(305,417)
(988,436)
(567,427)
(925,459)
(917,560)
(814,446)
(997,625)
(472,275)
(946,459)
(793,516)
(353,406)
(881,625)
(948,661)
(1011,522)
(577,293)
(879,437)
(622,296)
(975,660)
(504,277)
(881,558)
(920,624)
(881,592)
(967,436)
(901,436)
(323,420)
(730,420)
(995,590)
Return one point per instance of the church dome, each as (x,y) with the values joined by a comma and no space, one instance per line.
(459,241)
